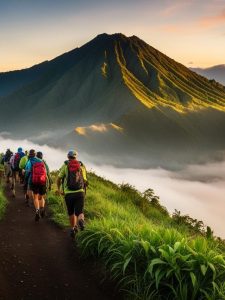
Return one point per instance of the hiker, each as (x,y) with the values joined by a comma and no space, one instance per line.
(16,172)
(22,166)
(36,176)
(73,177)
(7,166)
(49,180)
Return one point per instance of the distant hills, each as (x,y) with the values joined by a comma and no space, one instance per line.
(216,72)
(119,100)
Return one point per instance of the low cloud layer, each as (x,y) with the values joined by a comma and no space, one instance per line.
(197,190)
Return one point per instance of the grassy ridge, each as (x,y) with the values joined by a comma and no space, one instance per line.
(2,197)
(146,252)
(2,203)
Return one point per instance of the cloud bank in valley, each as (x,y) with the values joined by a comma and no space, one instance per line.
(197,190)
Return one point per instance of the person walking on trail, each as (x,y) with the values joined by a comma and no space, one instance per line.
(22,166)
(7,166)
(36,175)
(49,180)
(73,178)
(16,173)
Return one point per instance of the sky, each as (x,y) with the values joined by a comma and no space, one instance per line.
(190,31)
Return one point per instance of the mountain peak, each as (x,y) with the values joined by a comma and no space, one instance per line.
(118,36)
(148,76)
(114,35)
(151,100)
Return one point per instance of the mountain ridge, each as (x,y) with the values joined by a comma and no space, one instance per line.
(216,72)
(160,104)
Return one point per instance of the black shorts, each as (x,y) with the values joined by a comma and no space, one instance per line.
(75,203)
(38,189)
(25,185)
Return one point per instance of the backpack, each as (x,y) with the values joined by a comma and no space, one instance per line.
(75,179)
(7,156)
(16,162)
(39,174)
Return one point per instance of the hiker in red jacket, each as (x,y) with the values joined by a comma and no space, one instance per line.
(16,172)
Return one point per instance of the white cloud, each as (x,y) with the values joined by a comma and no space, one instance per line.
(197,190)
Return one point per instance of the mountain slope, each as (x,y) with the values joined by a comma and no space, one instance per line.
(216,72)
(159,104)
(136,239)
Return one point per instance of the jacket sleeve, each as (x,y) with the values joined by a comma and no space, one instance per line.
(62,172)
(84,172)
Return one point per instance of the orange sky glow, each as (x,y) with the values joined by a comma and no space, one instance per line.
(191,32)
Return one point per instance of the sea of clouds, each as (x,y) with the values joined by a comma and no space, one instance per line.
(197,190)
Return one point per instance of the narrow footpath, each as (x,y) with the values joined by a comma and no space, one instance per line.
(39,261)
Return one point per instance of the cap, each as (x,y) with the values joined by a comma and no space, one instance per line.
(72,153)
(39,154)
(32,153)
(19,149)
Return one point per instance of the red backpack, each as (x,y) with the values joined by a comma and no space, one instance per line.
(39,174)
(16,162)
(75,179)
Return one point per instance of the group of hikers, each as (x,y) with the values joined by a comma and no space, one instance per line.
(32,171)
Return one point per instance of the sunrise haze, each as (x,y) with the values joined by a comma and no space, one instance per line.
(191,32)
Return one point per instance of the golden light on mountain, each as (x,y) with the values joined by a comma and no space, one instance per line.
(98,128)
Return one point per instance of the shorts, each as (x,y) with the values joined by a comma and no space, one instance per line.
(75,203)
(25,185)
(38,189)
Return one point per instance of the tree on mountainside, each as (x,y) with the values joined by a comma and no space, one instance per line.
(150,196)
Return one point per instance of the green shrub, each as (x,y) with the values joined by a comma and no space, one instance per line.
(149,254)
(155,263)
(3,202)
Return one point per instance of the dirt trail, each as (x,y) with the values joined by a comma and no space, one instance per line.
(38,260)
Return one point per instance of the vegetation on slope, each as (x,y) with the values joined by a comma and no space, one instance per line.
(2,196)
(149,254)
(124,70)
(160,104)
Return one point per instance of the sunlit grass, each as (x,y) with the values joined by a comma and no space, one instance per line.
(146,252)
(177,87)
(3,200)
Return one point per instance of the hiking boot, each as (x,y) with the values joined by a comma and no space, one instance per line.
(81,224)
(73,232)
(37,216)
(42,212)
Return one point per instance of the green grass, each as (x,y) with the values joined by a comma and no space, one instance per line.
(3,200)
(3,203)
(149,254)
